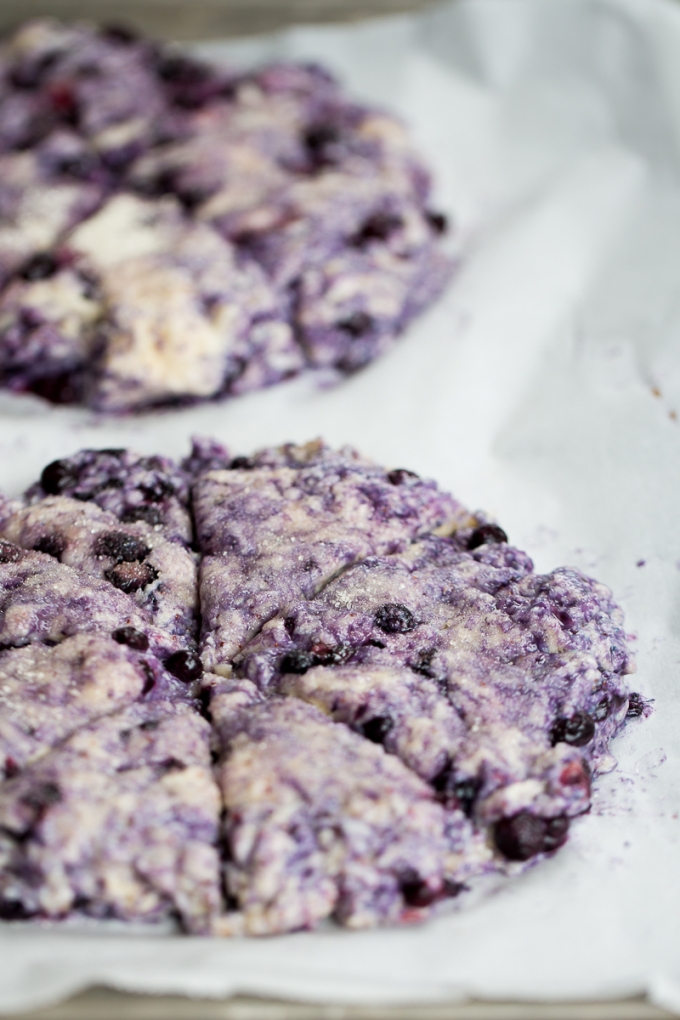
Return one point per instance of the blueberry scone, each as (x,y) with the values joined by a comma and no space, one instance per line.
(175,232)
(119,820)
(253,693)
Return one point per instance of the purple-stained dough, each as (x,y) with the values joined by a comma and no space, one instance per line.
(468,671)
(118,821)
(181,316)
(356,835)
(47,693)
(158,574)
(392,707)
(281,527)
(37,207)
(45,601)
(175,232)
(131,486)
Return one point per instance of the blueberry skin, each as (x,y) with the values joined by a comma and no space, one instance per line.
(395,618)
(298,661)
(485,534)
(636,705)
(121,547)
(376,729)
(185,665)
(51,545)
(10,553)
(524,835)
(131,637)
(577,731)
(39,267)
(57,476)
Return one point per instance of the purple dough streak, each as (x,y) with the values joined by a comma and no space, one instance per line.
(182,318)
(159,575)
(44,601)
(130,485)
(455,682)
(37,210)
(118,821)
(281,528)
(47,693)
(358,836)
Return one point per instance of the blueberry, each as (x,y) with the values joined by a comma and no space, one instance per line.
(13,910)
(11,768)
(417,893)
(461,793)
(465,791)
(395,618)
(334,656)
(181,70)
(149,514)
(378,228)
(157,490)
(357,324)
(185,665)
(298,661)
(191,198)
(240,464)
(525,835)
(131,637)
(62,388)
(113,451)
(10,553)
(376,729)
(400,475)
(150,681)
(601,710)
(190,83)
(437,221)
(121,547)
(318,140)
(486,534)
(578,730)
(51,545)
(161,184)
(130,577)
(204,699)
(57,476)
(39,267)
(423,662)
(636,705)
(111,483)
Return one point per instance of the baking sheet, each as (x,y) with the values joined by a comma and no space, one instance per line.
(544,387)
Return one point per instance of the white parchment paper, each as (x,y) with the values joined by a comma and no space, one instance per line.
(544,387)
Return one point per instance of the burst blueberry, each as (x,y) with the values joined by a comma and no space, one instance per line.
(395,618)
(185,665)
(486,534)
(577,730)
